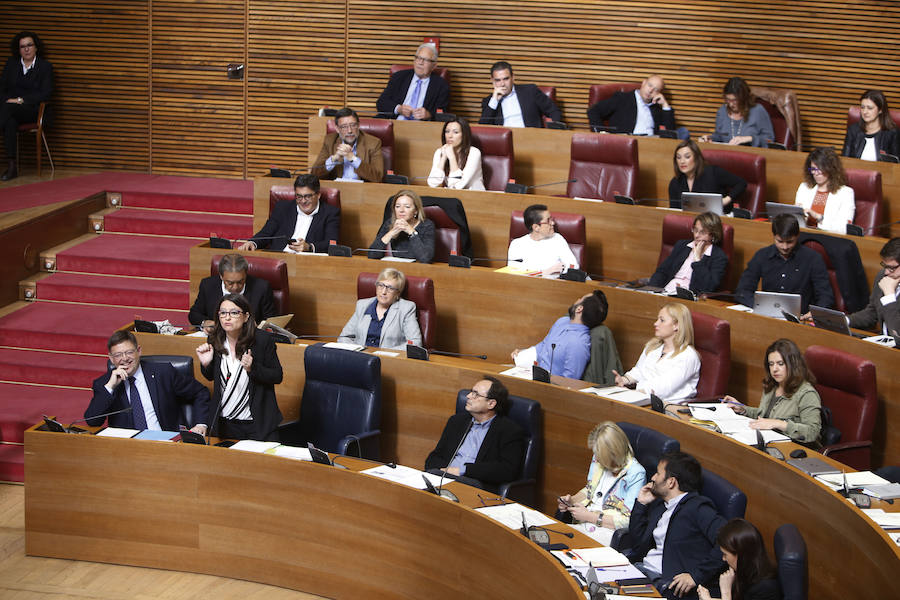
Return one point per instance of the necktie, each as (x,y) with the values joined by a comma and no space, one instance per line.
(414,101)
(137,407)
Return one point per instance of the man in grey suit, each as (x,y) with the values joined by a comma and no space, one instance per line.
(883,310)
(387,320)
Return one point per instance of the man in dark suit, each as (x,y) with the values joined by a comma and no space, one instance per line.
(233,278)
(154,391)
(349,153)
(481,446)
(640,112)
(512,105)
(417,93)
(674,529)
(304,225)
(883,310)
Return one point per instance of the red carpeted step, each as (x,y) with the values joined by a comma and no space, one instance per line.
(115,290)
(50,368)
(23,406)
(130,255)
(239,205)
(161,222)
(73,327)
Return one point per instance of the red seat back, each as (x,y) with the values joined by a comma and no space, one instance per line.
(604,165)
(853,115)
(447,239)
(568,225)
(751,168)
(839,303)
(496,145)
(677,227)
(277,193)
(602,91)
(548,91)
(419,290)
(779,124)
(712,340)
(383,129)
(868,198)
(272,270)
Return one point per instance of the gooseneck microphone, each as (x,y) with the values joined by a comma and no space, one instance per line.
(552,352)
(464,262)
(520,188)
(440,488)
(63,429)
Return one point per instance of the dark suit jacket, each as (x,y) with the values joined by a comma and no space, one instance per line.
(500,457)
(708,271)
(535,104)
(34,87)
(256,291)
(368,149)
(855,141)
(436,97)
(620,110)
(875,313)
(690,539)
(265,373)
(168,390)
(713,179)
(325,226)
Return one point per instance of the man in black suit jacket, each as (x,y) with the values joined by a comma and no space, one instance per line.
(481,446)
(689,555)
(621,109)
(512,105)
(400,99)
(233,278)
(160,391)
(320,224)
(883,309)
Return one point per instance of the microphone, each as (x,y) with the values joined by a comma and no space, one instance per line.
(598,278)
(355,250)
(56,426)
(552,352)
(464,262)
(420,353)
(568,534)
(708,295)
(520,188)
(876,227)
(440,488)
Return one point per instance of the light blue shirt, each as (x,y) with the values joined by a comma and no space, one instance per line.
(572,352)
(468,450)
(409,94)
(643,125)
(512,110)
(350,166)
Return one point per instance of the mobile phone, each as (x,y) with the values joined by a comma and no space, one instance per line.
(861,500)
(564,501)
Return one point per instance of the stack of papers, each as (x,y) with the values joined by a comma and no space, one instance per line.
(885,520)
(511,515)
(158,436)
(883,492)
(854,480)
(598,557)
(345,346)
(118,432)
(291,452)
(254,446)
(518,372)
(517,271)
(620,394)
(732,424)
(405,476)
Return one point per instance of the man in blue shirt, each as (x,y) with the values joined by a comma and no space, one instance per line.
(349,154)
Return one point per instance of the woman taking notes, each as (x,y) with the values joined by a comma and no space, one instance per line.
(827,201)
(406,233)
(457,163)
(750,574)
(875,134)
(741,121)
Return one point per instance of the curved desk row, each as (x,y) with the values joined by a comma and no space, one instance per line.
(542,156)
(847,551)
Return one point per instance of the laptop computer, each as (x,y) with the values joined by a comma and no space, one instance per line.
(701,202)
(773,209)
(832,320)
(771,304)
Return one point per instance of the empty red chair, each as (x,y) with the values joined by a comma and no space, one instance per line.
(383,129)
(496,145)
(568,225)
(447,239)
(272,270)
(868,199)
(750,167)
(277,193)
(419,290)
(712,340)
(603,165)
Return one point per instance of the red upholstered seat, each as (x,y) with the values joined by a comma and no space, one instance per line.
(447,239)
(869,199)
(272,270)
(383,129)
(441,72)
(496,145)
(419,290)
(847,386)
(604,166)
(750,167)
(277,193)
(839,303)
(602,91)
(549,91)
(712,340)
(853,115)
(568,225)
(680,227)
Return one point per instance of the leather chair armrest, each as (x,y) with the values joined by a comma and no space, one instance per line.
(366,444)
(288,431)
(521,490)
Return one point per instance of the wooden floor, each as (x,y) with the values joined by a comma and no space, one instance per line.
(31,578)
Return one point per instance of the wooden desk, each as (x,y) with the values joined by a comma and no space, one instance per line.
(299,525)
(846,549)
(542,156)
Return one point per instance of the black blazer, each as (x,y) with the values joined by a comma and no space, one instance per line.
(620,110)
(257,292)
(265,373)
(326,226)
(34,87)
(437,96)
(707,272)
(168,391)
(419,247)
(855,141)
(535,104)
(500,457)
(713,179)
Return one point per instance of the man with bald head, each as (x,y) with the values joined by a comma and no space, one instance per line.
(641,112)
(417,93)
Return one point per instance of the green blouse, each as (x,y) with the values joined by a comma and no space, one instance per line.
(801,411)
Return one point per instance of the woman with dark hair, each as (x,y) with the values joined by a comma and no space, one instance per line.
(741,121)
(24,84)
(697,264)
(457,163)
(694,174)
(406,233)
(789,404)
(750,575)
(827,201)
(875,133)
(242,362)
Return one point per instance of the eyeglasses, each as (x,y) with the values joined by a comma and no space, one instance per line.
(234,314)
(304,196)
(121,355)
(479,394)
(422,59)
(814,170)
(23,46)
(348,126)
(386,287)
(889,268)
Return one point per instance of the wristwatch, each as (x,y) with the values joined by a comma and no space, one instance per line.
(600,519)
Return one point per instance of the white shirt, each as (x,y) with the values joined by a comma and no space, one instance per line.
(683,276)
(839,207)
(409,94)
(146,399)
(25,68)
(302,227)
(541,254)
(653,559)
(643,124)
(868,152)
(512,110)
(469,177)
(672,378)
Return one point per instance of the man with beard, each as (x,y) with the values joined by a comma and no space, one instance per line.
(349,154)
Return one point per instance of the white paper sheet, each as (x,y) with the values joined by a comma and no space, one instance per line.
(598,556)
(292,452)
(254,446)
(525,358)
(405,476)
(518,373)
(732,424)
(118,432)
(511,515)
(884,520)
(620,394)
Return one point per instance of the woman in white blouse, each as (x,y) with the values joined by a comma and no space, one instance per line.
(669,366)
(457,163)
(827,201)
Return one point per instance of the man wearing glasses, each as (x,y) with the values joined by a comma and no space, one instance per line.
(300,225)
(415,94)
(481,446)
(883,310)
(154,392)
(349,154)
(542,249)
(232,279)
